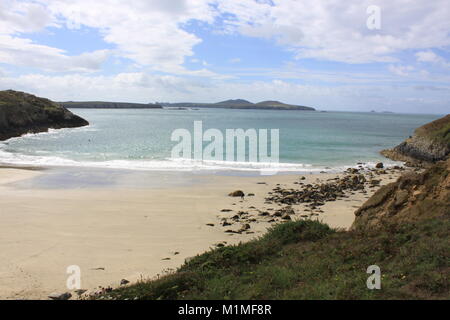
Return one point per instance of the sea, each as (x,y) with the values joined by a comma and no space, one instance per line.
(140,139)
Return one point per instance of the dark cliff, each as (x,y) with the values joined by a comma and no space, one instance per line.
(22,113)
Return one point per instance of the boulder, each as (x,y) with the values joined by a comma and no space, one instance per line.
(237,193)
(124,282)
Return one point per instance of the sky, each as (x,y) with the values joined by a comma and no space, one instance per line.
(353,55)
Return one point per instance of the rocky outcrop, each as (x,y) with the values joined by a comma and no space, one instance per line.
(22,113)
(413,197)
(430,143)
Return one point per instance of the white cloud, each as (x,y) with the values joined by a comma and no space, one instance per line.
(19,16)
(126,86)
(151,33)
(23,52)
(336,30)
(401,70)
(431,57)
(148,32)
(426,56)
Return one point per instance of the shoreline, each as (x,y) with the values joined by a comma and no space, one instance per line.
(199,167)
(119,232)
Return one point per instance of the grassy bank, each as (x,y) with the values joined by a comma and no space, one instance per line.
(309,260)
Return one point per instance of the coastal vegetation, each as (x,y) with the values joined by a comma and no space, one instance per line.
(309,260)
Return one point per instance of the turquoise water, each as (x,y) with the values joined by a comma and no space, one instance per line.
(140,139)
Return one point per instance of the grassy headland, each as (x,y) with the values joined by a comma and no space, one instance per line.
(429,143)
(22,113)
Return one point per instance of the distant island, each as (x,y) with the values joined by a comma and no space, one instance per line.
(108,105)
(240,104)
(228,104)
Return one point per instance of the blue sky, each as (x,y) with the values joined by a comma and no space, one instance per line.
(322,53)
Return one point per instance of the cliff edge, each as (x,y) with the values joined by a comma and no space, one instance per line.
(413,197)
(22,113)
(430,143)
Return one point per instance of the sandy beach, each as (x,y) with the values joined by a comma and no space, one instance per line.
(120,232)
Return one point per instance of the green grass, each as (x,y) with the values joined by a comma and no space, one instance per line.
(309,260)
(443,133)
(438,130)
